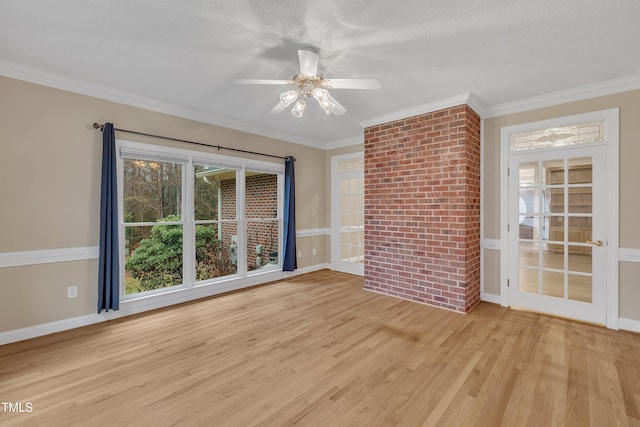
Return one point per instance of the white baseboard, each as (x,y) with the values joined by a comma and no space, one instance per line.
(629,324)
(51,327)
(492,298)
(149,303)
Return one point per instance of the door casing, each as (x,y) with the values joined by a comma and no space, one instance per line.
(611,117)
(336,262)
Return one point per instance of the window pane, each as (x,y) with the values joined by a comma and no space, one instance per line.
(579,229)
(529,254)
(556,228)
(580,200)
(207,190)
(261,195)
(580,258)
(345,252)
(528,175)
(261,203)
(556,200)
(580,288)
(353,185)
(553,284)
(153,257)
(553,172)
(228,234)
(228,196)
(152,190)
(213,257)
(580,170)
(262,244)
(530,227)
(553,256)
(528,280)
(528,201)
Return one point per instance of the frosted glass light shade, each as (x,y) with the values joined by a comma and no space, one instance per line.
(320,94)
(288,97)
(327,106)
(298,109)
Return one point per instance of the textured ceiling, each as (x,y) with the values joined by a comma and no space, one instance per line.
(182,56)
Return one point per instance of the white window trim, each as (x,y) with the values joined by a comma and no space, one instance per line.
(131,149)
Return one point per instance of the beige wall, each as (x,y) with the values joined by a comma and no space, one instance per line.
(50,169)
(629,105)
(50,163)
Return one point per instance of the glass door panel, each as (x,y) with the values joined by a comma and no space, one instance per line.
(348,215)
(555,218)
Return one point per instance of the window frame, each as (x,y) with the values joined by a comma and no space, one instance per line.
(188,158)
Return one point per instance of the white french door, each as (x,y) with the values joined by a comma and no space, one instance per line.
(347,218)
(557,232)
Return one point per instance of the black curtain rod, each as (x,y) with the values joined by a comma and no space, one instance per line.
(219,147)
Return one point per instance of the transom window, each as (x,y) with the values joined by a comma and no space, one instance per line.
(561,136)
(350,164)
(190,219)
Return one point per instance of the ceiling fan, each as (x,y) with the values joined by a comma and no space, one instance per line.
(310,84)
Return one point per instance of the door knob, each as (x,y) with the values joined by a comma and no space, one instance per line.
(595,242)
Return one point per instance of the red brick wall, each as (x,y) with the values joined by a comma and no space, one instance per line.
(422,208)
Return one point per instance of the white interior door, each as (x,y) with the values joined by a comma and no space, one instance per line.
(557,232)
(347,254)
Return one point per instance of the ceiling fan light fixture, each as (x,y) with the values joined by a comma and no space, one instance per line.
(308,83)
(298,109)
(327,106)
(288,97)
(320,94)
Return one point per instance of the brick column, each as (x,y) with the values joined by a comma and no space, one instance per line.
(422,208)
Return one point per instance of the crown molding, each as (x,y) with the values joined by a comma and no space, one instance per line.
(63,82)
(59,81)
(417,110)
(622,84)
(478,105)
(346,142)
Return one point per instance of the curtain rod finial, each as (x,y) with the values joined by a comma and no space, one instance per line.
(98,126)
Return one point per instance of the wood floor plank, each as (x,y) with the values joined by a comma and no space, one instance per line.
(317,349)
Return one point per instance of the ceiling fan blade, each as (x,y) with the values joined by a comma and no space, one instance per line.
(308,62)
(339,108)
(352,83)
(279,108)
(262,82)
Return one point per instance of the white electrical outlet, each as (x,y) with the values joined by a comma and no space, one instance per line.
(313,251)
(299,254)
(72,292)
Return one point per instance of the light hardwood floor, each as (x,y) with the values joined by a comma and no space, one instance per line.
(317,350)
